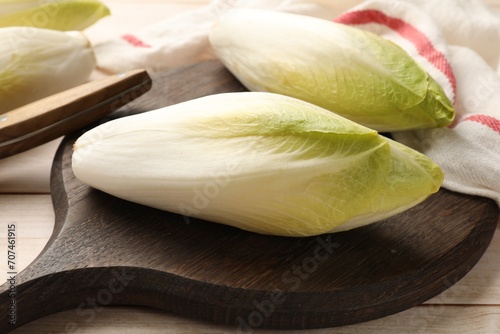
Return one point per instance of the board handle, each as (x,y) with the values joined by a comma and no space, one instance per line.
(44,120)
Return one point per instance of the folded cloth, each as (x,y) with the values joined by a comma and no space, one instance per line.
(456,41)
(183,39)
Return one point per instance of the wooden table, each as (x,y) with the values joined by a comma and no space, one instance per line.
(470,306)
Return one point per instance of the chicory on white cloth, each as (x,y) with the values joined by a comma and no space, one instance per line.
(456,41)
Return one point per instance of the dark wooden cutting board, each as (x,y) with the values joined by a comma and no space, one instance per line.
(106,251)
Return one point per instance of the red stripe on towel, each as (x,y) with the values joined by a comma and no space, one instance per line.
(135,41)
(489,121)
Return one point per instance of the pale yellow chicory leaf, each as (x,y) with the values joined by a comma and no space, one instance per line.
(261,162)
(36,63)
(61,15)
(346,70)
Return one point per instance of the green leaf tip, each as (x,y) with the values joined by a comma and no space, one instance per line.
(346,70)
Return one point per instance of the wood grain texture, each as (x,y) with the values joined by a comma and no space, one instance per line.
(47,119)
(106,251)
(424,319)
(28,173)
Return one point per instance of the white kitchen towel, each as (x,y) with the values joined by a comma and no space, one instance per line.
(456,41)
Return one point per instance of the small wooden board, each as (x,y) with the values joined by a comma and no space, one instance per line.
(106,251)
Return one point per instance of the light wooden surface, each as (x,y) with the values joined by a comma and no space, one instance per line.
(469,306)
